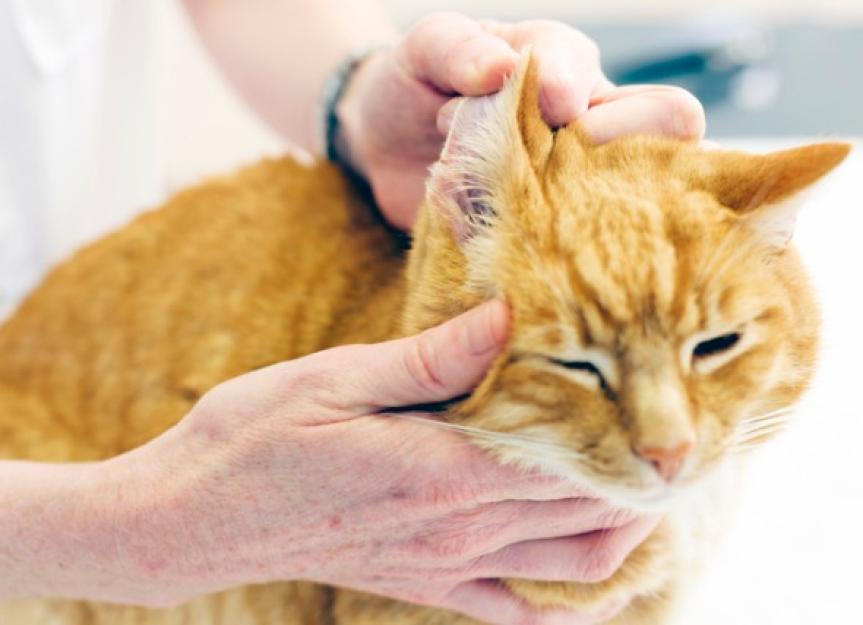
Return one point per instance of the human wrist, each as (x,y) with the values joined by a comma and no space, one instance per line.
(347,144)
(160,543)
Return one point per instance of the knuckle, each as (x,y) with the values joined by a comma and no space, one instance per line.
(460,540)
(455,546)
(432,23)
(541,29)
(461,48)
(474,568)
(313,383)
(422,364)
(440,549)
(452,495)
(599,565)
(613,517)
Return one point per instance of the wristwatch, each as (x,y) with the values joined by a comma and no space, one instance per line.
(333,142)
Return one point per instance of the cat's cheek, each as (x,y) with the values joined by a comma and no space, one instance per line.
(740,388)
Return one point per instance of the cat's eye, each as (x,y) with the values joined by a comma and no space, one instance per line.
(716,345)
(585,366)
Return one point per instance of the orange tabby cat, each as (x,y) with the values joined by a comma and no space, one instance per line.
(658,315)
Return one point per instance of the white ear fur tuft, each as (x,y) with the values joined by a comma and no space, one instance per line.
(477,151)
(776,222)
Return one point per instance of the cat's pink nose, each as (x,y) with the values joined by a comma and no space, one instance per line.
(666,460)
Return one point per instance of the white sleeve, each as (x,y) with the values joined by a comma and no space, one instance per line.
(79,150)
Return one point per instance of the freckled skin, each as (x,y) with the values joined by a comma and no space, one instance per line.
(627,248)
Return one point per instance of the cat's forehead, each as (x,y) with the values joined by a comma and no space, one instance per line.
(615,254)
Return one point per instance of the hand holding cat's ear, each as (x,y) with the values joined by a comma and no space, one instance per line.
(400,100)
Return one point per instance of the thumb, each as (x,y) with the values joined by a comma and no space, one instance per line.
(454,54)
(443,362)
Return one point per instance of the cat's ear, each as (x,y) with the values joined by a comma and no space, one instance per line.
(766,189)
(492,139)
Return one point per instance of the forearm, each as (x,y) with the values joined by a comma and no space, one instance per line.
(101,531)
(52,528)
(278,53)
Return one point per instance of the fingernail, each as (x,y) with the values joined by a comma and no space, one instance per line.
(485,328)
(488,71)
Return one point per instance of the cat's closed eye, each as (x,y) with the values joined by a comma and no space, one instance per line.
(716,345)
(714,352)
(587,367)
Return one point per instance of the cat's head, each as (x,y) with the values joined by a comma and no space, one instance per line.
(657,310)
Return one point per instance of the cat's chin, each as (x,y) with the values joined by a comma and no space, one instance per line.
(657,498)
(647,502)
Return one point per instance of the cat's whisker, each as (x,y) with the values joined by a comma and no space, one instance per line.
(751,432)
(521,441)
(762,427)
(757,433)
(757,437)
(757,427)
(773,415)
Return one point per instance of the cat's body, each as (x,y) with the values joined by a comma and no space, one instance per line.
(283,260)
(224,283)
(220,279)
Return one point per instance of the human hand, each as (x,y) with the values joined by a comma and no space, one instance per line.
(395,112)
(291,472)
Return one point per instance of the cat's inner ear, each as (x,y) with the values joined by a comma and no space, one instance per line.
(767,190)
(492,140)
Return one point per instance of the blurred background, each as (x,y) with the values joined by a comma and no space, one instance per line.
(771,73)
(761,67)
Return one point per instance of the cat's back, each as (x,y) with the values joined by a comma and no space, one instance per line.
(237,273)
